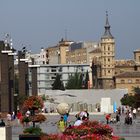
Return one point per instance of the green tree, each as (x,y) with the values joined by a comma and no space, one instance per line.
(128,100)
(75,81)
(131,100)
(86,80)
(58,84)
(136,90)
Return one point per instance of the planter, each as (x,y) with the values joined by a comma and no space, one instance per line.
(32,137)
(29,137)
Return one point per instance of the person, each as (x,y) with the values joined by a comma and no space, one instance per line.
(127,118)
(107,118)
(117,117)
(2,123)
(122,109)
(119,110)
(28,113)
(130,118)
(9,118)
(61,124)
(13,115)
(19,115)
(87,114)
(66,118)
(134,113)
(84,115)
(78,122)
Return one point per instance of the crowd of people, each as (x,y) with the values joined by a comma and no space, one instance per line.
(63,123)
(129,113)
(10,117)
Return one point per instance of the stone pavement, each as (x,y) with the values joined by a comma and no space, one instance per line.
(130,132)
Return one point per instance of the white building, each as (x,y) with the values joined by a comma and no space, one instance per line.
(46,74)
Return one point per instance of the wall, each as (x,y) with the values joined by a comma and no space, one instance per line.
(85,98)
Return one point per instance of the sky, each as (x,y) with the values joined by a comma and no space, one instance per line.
(42,23)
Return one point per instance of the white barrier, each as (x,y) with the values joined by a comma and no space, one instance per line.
(6,133)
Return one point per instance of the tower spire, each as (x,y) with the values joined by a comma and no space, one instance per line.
(107,33)
(107,22)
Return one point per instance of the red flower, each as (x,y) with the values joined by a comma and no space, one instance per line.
(33,102)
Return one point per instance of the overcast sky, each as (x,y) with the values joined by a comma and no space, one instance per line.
(42,23)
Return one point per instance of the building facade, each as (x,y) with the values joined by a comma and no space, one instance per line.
(79,52)
(107,72)
(46,74)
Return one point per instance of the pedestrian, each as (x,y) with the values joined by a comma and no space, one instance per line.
(122,109)
(13,115)
(130,118)
(108,116)
(127,118)
(134,113)
(2,123)
(87,114)
(117,117)
(9,118)
(19,115)
(61,125)
(78,122)
(66,118)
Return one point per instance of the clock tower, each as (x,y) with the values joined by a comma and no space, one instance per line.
(107,45)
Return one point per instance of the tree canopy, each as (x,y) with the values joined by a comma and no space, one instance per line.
(58,84)
(132,100)
(75,81)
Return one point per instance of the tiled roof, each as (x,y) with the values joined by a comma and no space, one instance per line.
(124,62)
(129,74)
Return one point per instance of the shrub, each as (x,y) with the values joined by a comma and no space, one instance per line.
(33,130)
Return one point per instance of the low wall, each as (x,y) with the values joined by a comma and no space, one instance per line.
(6,133)
(80,99)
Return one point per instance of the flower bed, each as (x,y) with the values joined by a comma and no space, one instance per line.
(90,130)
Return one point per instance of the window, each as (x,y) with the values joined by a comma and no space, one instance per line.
(108,59)
(129,81)
(108,48)
(137,81)
(122,81)
(108,71)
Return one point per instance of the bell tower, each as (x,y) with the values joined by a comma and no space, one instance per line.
(107,57)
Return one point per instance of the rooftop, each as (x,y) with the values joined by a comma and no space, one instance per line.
(129,74)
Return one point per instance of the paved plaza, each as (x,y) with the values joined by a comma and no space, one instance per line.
(130,132)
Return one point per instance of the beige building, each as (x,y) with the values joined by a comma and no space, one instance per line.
(128,80)
(80,52)
(57,54)
(107,72)
(111,73)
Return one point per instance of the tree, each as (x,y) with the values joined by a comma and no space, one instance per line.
(131,100)
(58,84)
(128,100)
(86,80)
(136,90)
(75,81)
